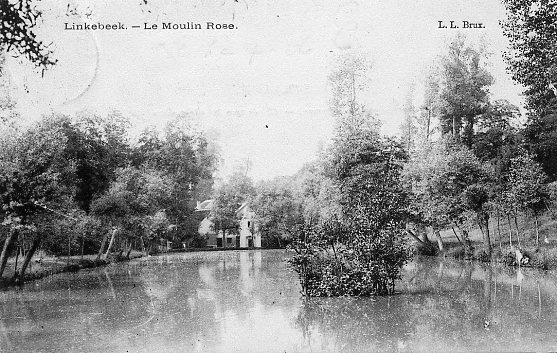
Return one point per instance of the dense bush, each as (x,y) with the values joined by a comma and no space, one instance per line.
(355,260)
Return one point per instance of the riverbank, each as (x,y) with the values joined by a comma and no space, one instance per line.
(41,267)
(527,255)
(51,265)
(513,243)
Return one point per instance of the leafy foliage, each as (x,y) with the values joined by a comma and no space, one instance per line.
(186,156)
(448,185)
(531,58)
(278,212)
(526,189)
(19,18)
(460,92)
(134,202)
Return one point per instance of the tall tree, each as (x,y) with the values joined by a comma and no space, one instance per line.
(34,171)
(410,125)
(317,193)
(189,158)
(348,83)
(526,189)
(97,146)
(532,60)
(532,53)
(463,89)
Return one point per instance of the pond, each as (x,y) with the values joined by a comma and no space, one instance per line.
(249,301)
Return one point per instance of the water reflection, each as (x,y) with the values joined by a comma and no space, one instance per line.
(250,301)
(443,306)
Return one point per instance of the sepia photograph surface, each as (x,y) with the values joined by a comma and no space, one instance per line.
(278,176)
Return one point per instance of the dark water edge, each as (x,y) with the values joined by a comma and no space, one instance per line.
(249,301)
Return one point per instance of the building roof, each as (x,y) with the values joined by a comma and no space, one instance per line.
(208,204)
(204,206)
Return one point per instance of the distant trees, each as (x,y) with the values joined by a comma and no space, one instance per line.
(227,199)
(484,165)
(185,155)
(279,213)
(103,191)
(462,89)
(132,205)
(316,192)
(448,185)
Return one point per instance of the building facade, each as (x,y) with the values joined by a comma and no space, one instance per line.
(246,236)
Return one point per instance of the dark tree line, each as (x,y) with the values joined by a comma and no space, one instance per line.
(81,181)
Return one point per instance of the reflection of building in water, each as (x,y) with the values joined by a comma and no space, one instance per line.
(250,263)
(246,236)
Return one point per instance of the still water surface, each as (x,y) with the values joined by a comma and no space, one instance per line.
(249,301)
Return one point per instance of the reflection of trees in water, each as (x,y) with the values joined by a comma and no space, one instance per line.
(180,315)
(195,296)
(477,305)
(442,306)
(170,300)
(190,296)
(356,324)
(69,309)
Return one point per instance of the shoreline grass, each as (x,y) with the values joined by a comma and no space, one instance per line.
(42,266)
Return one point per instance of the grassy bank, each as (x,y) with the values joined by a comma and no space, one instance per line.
(507,239)
(42,266)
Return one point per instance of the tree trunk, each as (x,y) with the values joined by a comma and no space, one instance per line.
(427,244)
(456,235)
(425,237)
(550,210)
(537,231)
(439,240)
(12,235)
(82,246)
(499,232)
(224,238)
(484,218)
(517,231)
(18,250)
(29,256)
(112,237)
(69,249)
(143,245)
(510,230)
(99,254)
(129,250)
(467,243)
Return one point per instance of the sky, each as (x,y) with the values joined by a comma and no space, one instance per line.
(261,88)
